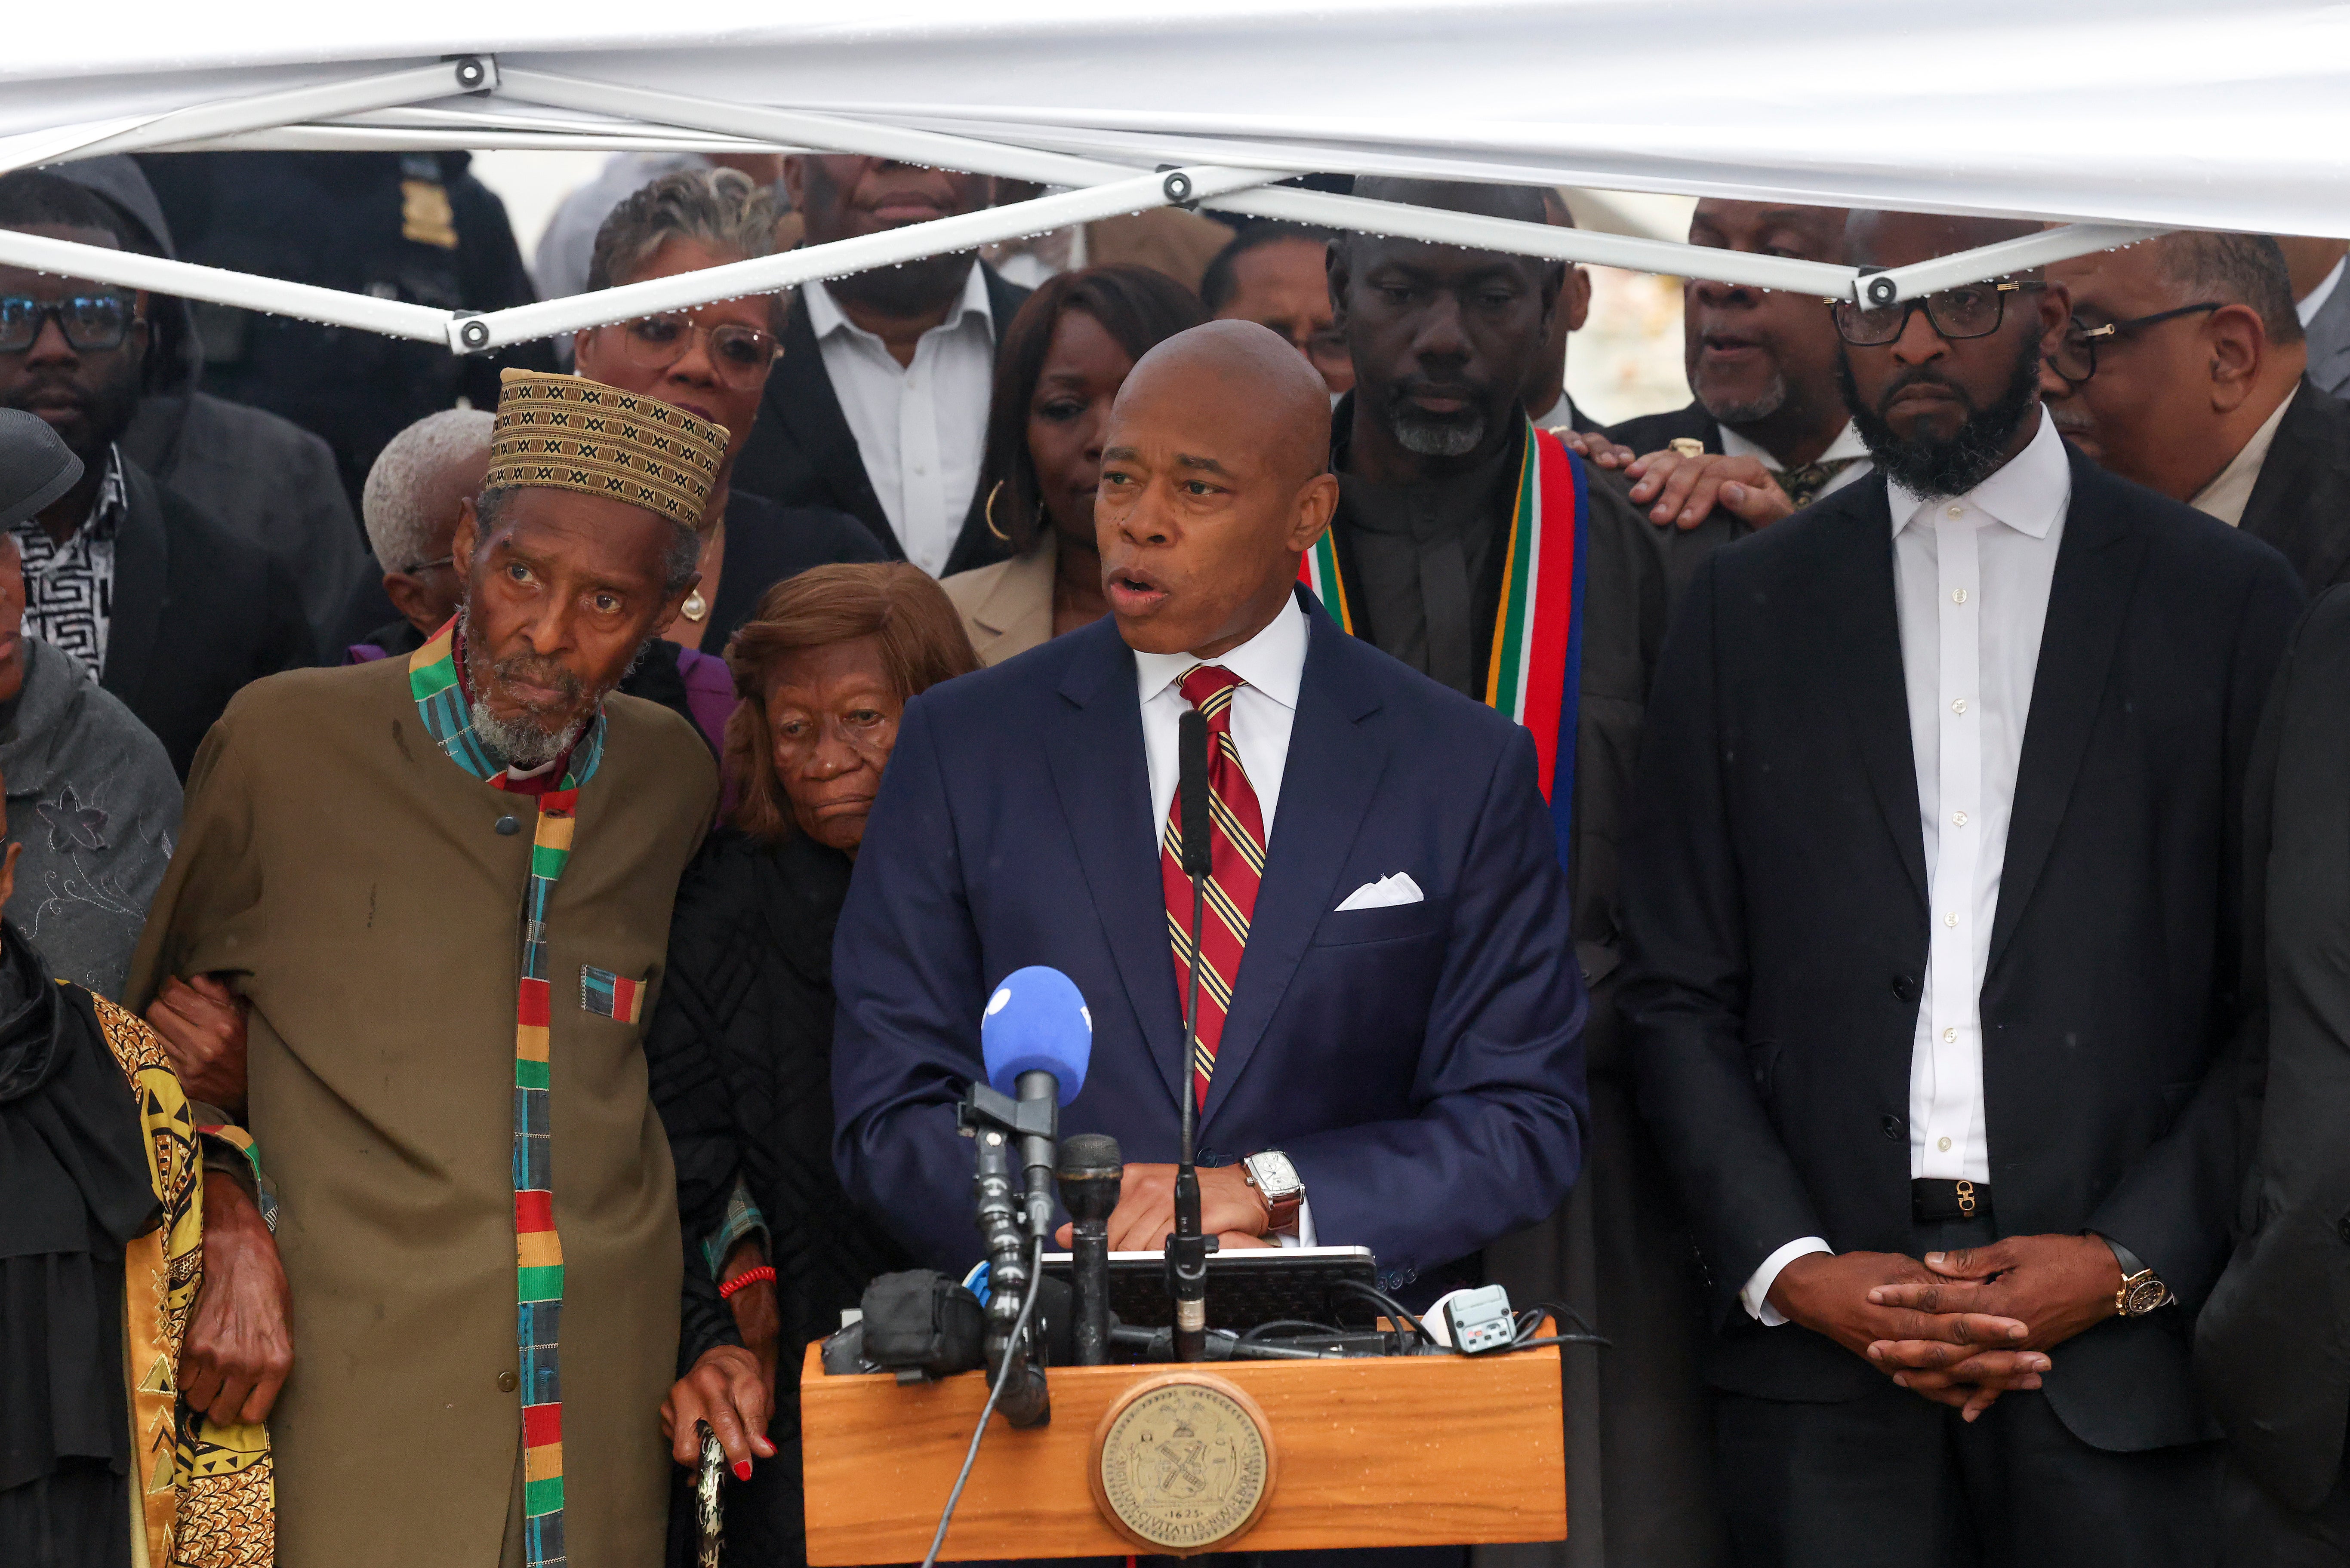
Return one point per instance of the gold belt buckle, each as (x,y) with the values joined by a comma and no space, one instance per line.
(1965,1197)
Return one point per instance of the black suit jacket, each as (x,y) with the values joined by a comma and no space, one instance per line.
(1654,433)
(2301,503)
(2273,1348)
(801,453)
(1776,923)
(198,610)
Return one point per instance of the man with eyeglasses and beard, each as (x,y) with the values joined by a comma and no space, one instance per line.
(1932,909)
(159,602)
(441,883)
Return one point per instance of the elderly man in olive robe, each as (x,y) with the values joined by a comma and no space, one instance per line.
(442,885)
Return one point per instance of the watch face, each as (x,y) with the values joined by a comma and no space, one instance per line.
(1274,1175)
(2145,1295)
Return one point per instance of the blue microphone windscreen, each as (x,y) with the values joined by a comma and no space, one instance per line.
(1038,1018)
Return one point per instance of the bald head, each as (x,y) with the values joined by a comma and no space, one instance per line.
(1523,203)
(1215,481)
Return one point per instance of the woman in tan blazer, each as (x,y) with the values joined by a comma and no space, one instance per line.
(1064,356)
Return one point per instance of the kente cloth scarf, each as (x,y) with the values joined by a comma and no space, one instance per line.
(1534,670)
(538,1252)
(207,1495)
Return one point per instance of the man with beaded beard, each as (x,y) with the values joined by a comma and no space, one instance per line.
(1931,903)
(441,884)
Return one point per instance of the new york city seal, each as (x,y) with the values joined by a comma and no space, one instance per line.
(1183,1463)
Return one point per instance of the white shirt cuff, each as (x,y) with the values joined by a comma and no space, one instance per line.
(1756,1297)
(1303,1235)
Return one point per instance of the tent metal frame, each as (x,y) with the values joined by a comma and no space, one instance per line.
(410,109)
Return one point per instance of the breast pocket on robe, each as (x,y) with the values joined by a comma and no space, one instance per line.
(609,995)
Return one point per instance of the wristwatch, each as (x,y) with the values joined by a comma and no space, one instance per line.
(1277,1181)
(2140,1293)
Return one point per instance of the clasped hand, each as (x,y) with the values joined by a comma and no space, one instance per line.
(1230,1208)
(1960,1328)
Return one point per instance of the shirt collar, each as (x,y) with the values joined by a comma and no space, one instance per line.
(1273,661)
(2029,492)
(2314,301)
(826,316)
(106,512)
(2231,488)
(1847,445)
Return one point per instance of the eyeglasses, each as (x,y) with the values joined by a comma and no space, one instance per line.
(739,355)
(2076,359)
(1969,311)
(90,322)
(428,565)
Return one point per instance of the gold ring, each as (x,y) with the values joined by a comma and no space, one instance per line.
(1688,446)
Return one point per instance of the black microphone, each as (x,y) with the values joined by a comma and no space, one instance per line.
(1091,1171)
(1186,1248)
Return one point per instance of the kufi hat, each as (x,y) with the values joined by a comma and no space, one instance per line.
(567,433)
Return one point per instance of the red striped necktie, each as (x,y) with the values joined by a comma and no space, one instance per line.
(1236,862)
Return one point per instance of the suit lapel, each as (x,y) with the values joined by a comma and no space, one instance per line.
(800,400)
(1333,769)
(2088,601)
(1097,758)
(141,573)
(1861,640)
(2296,501)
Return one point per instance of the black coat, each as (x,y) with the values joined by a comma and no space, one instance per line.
(2301,503)
(2273,1348)
(739,1052)
(1776,923)
(801,453)
(199,611)
(1654,433)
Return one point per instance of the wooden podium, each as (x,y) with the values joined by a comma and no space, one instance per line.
(1404,1452)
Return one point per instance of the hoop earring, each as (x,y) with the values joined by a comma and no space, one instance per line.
(989,512)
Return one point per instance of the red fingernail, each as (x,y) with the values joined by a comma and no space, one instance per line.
(742,1470)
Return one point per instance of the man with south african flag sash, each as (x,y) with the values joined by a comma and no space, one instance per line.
(1487,554)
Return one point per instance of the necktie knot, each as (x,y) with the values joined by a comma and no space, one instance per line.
(1210,687)
(1804,485)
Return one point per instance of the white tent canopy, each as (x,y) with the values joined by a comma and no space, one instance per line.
(2120,117)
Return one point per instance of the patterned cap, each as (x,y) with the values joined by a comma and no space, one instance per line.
(567,433)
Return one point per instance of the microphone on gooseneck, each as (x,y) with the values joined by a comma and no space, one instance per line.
(1186,1248)
(1091,1173)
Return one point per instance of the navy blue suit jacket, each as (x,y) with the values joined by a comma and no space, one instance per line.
(1421,1064)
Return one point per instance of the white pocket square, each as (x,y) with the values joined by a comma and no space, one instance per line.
(1385,893)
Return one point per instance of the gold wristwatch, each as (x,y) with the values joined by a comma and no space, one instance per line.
(2140,1292)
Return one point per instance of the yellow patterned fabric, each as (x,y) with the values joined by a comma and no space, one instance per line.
(206,1495)
(567,433)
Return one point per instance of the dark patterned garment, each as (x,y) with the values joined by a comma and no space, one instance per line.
(69,587)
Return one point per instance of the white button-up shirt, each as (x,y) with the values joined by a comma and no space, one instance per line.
(1265,708)
(920,428)
(1971,577)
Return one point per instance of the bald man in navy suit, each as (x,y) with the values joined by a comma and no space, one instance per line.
(1391,1009)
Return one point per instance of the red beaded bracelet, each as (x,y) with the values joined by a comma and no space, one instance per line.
(747,1277)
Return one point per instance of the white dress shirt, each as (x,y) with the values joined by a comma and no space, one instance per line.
(2230,491)
(1263,708)
(1847,443)
(1972,576)
(2310,303)
(920,428)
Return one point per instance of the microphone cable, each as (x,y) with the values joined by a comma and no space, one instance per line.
(1003,1375)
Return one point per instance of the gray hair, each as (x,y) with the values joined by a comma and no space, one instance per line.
(399,529)
(2234,269)
(724,208)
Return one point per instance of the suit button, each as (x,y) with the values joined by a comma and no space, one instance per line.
(1904,987)
(507,826)
(1895,1128)
(508,1382)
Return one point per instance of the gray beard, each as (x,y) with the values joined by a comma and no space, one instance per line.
(519,743)
(1425,437)
(1772,399)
